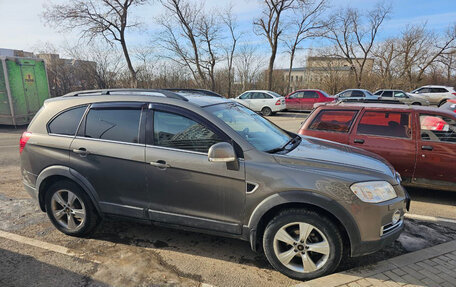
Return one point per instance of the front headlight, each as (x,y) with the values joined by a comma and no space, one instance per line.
(374,191)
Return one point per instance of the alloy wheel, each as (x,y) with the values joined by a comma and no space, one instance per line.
(68,210)
(301,247)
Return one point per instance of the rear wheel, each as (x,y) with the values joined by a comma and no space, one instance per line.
(70,209)
(302,244)
(266,111)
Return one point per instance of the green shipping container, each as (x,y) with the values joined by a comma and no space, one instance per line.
(23,89)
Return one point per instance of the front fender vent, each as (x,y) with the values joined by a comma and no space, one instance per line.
(251,187)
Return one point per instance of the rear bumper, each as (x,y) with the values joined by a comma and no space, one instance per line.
(31,190)
(278,108)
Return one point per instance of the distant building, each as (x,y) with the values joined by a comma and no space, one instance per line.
(322,69)
(15,53)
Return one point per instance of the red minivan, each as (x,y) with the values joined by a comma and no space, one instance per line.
(420,142)
(304,100)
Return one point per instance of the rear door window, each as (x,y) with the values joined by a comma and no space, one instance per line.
(357,94)
(67,122)
(387,94)
(437,128)
(116,123)
(389,124)
(333,120)
(310,95)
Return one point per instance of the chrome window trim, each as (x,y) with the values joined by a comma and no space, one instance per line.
(176,149)
(60,135)
(110,141)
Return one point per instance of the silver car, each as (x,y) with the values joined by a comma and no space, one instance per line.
(399,95)
(355,94)
(436,95)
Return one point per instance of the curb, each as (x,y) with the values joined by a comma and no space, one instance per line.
(379,267)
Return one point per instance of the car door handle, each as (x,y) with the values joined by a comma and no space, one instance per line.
(161,164)
(360,141)
(426,147)
(81,151)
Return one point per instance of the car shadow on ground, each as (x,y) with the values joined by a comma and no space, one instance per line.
(210,246)
(22,270)
(432,196)
(193,243)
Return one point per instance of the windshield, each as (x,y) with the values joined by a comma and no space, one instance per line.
(369,93)
(258,131)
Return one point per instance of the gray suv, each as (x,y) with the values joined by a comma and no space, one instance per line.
(209,164)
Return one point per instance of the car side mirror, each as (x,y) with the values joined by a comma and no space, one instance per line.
(221,152)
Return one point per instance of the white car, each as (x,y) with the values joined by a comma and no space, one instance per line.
(436,95)
(266,102)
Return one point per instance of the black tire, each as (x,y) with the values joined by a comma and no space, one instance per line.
(416,104)
(91,220)
(266,111)
(442,103)
(325,225)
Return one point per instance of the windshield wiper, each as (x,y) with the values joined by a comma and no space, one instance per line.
(282,148)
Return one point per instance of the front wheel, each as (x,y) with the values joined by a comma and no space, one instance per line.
(302,244)
(266,111)
(416,104)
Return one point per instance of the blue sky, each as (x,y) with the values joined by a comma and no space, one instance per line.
(22,27)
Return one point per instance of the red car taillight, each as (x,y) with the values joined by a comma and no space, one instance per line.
(23,141)
(278,103)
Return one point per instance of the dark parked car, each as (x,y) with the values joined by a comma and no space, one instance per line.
(420,142)
(304,100)
(212,165)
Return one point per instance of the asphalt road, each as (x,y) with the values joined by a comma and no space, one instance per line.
(33,252)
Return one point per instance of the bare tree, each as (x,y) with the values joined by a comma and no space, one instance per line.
(186,16)
(209,29)
(386,56)
(108,19)
(271,27)
(448,61)
(354,34)
(307,24)
(248,65)
(230,22)
(191,37)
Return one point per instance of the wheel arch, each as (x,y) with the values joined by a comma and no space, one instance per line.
(274,204)
(53,174)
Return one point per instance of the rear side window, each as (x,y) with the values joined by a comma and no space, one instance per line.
(333,120)
(179,132)
(310,95)
(387,94)
(356,94)
(437,128)
(390,124)
(114,123)
(67,122)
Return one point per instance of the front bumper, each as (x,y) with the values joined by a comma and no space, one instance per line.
(368,247)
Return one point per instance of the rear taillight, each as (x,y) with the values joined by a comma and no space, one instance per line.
(454,94)
(278,103)
(23,141)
